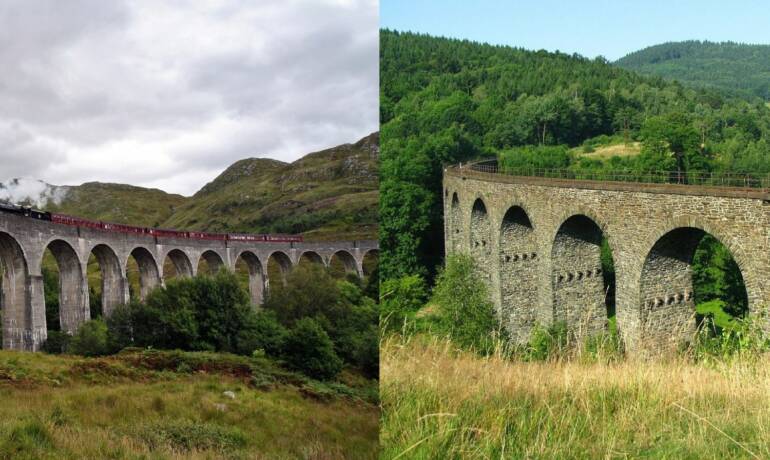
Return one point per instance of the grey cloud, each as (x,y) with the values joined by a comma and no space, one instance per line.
(176,91)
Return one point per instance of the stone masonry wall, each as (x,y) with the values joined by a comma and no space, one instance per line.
(518,258)
(652,257)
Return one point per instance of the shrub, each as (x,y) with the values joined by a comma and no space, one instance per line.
(90,339)
(262,331)
(120,326)
(309,349)
(201,314)
(400,299)
(546,343)
(465,311)
(309,292)
(56,343)
(339,307)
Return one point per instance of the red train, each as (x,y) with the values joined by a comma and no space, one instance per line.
(166,233)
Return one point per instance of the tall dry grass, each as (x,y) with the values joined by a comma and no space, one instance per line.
(440,402)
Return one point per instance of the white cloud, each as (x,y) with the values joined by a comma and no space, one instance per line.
(168,94)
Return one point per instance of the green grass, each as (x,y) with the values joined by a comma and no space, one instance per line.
(153,404)
(439,402)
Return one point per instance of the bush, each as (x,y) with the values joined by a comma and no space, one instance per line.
(120,326)
(56,343)
(310,291)
(198,314)
(90,339)
(340,307)
(262,331)
(465,310)
(547,343)
(400,299)
(309,349)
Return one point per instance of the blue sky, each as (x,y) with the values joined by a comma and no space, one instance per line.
(589,27)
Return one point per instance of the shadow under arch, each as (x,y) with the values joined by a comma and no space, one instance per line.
(149,273)
(310,257)
(209,263)
(256,275)
(278,266)
(14,296)
(455,224)
(519,263)
(113,289)
(178,261)
(579,291)
(342,263)
(666,306)
(73,294)
(480,238)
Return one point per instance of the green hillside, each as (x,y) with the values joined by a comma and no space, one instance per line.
(446,100)
(119,203)
(739,68)
(325,195)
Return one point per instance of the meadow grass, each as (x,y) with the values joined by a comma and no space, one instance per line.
(441,402)
(172,405)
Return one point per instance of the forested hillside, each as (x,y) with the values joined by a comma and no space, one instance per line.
(738,68)
(446,100)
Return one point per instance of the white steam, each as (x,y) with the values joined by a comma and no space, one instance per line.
(31,192)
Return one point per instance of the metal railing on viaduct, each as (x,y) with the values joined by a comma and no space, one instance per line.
(23,242)
(538,243)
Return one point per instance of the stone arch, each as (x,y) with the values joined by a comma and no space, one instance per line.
(256,276)
(181,262)
(312,257)
(213,261)
(481,239)
(369,261)
(455,224)
(346,259)
(666,292)
(579,299)
(519,261)
(14,296)
(114,290)
(149,273)
(73,290)
(283,262)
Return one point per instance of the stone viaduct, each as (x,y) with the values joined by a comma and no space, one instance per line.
(537,241)
(23,242)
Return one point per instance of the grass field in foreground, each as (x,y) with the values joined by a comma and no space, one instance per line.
(160,405)
(442,403)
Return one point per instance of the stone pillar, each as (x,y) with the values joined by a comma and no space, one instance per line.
(34,332)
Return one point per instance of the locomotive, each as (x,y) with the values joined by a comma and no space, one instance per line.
(63,219)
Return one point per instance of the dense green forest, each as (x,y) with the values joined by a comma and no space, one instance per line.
(738,68)
(447,100)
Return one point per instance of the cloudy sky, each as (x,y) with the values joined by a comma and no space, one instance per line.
(168,94)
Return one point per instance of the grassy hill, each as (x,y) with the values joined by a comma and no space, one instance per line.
(118,203)
(331,194)
(736,67)
(327,194)
(171,404)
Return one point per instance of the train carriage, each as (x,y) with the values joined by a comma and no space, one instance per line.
(63,219)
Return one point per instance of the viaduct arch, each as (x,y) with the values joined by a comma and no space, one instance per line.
(23,242)
(538,244)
